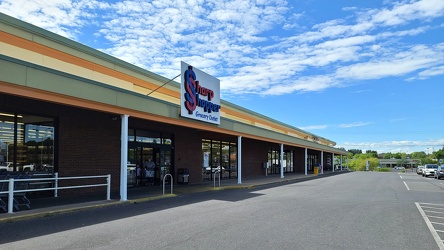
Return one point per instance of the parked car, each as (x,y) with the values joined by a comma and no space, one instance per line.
(209,170)
(439,173)
(399,168)
(6,166)
(429,169)
(419,169)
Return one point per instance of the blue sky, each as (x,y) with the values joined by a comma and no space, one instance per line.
(366,74)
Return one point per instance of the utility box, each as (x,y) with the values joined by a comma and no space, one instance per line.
(183,175)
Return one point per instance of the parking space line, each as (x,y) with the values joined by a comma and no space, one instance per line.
(436,208)
(406,185)
(432,229)
(436,217)
(438,205)
(431,211)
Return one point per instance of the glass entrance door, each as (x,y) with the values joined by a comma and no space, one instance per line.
(143,161)
(165,164)
(150,154)
(148,165)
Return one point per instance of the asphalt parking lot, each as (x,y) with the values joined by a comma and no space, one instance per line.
(360,210)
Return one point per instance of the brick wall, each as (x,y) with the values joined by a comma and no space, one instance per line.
(89,144)
(254,153)
(299,160)
(188,153)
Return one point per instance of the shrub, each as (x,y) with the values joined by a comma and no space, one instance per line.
(383,169)
(359,164)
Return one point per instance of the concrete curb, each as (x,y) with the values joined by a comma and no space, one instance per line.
(83,207)
(59,211)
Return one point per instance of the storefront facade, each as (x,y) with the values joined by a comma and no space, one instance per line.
(70,109)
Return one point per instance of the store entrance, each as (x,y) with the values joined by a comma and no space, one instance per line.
(147,164)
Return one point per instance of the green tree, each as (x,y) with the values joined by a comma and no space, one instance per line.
(371,153)
(418,155)
(397,155)
(388,156)
(402,162)
(355,151)
(438,154)
(427,160)
(350,155)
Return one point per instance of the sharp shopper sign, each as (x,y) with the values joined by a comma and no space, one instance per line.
(200,95)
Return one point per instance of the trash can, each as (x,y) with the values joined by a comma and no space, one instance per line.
(316,170)
(183,175)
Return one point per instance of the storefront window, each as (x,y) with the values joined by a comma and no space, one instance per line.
(145,136)
(216,155)
(233,160)
(288,159)
(26,143)
(131,135)
(274,161)
(148,137)
(206,151)
(312,161)
(219,156)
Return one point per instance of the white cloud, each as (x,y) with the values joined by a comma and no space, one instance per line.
(355,124)
(252,46)
(314,127)
(401,63)
(303,84)
(361,91)
(63,17)
(404,12)
(405,146)
(399,119)
(347,42)
(439,70)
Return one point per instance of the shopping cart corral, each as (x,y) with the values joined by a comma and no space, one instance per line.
(14,188)
(19,187)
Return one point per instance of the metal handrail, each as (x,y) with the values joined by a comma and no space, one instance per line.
(170,184)
(214,178)
(11,190)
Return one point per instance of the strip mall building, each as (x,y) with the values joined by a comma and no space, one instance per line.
(70,109)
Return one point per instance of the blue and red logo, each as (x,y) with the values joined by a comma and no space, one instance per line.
(192,91)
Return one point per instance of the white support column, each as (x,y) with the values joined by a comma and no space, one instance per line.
(333,161)
(282,161)
(124,158)
(306,158)
(321,171)
(239,160)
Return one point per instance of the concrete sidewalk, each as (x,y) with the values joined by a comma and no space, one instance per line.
(43,207)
